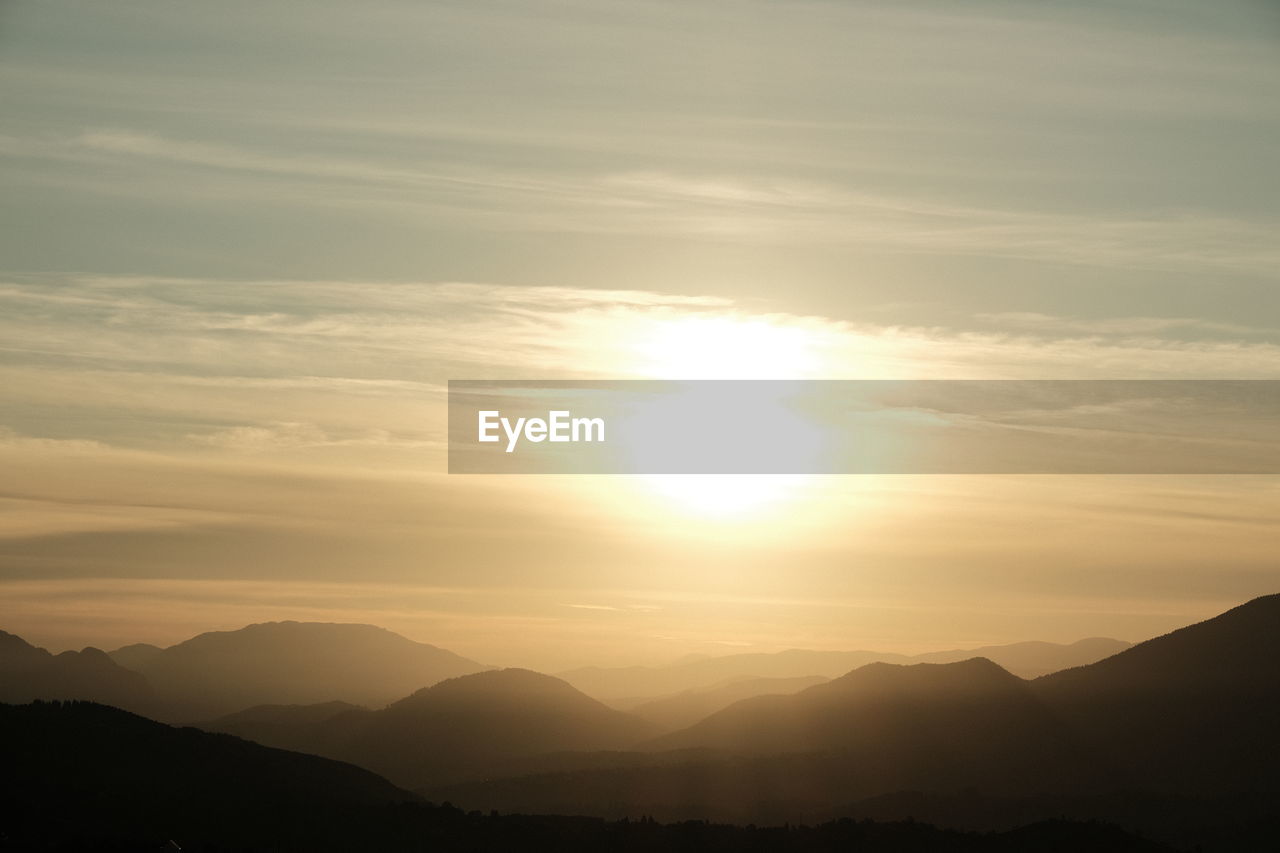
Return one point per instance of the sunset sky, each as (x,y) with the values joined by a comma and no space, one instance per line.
(243,247)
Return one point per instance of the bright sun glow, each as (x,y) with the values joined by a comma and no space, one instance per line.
(720,347)
(727,496)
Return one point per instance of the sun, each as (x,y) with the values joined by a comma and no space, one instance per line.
(737,348)
(726,347)
(725,497)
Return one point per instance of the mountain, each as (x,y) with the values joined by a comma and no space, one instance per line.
(294,663)
(135,656)
(81,776)
(457,729)
(1033,659)
(627,687)
(28,672)
(688,707)
(927,724)
(1196,710)
(283,726)
(17,655)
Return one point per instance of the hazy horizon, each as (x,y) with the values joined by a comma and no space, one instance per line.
(713,651)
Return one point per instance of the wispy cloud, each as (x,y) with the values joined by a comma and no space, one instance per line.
(775,209)
(1117,326)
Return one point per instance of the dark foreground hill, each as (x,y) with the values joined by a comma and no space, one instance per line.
(80,776)
(221,672)
(455,730)
(1196,711)
(81,769)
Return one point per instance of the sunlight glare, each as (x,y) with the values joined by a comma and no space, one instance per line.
(709,347)
(727,347)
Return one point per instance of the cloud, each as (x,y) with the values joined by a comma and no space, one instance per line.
(772,208)
(276,436)
(333,366)
(1117,326)
(10,440)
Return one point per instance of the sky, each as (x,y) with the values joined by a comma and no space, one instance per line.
(243,247)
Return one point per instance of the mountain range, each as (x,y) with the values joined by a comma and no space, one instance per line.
(300,663)
(687,707)
(28,672)
(221,672)
(627,687)
(1190,715)
(456,729)
(1177,736)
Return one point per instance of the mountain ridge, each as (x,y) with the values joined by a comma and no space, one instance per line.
(294,663)
(1190,717)
(28,673)
(459,727)
(627,687)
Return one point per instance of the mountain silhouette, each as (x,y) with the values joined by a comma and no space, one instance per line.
(454,730)
(294,663)
(85,770)
(627,687)
(928,722)
(28,672)
(135,656)
(1177,736)
(1033,659)
(806,756)
(1194,711)
(688,707)
(283,726)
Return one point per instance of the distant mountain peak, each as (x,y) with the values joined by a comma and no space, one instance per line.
(972,673)
(501,685)
(295,663)
(290,628)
